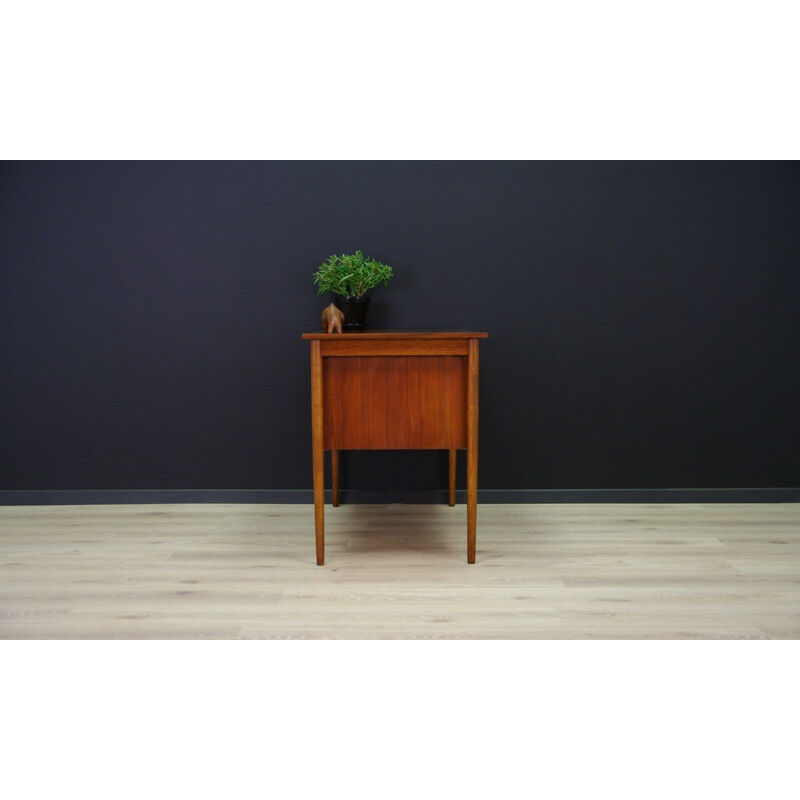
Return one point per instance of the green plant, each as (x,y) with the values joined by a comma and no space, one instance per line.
(351,275)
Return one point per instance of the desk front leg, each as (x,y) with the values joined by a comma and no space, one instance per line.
(472,449)
(317,442)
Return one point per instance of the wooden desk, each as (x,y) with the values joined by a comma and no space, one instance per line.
(394,390)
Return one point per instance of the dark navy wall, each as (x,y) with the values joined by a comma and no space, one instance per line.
(644,318)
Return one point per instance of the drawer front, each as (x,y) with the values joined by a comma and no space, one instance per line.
(395,347)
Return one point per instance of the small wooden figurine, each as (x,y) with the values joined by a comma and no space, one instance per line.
(332,319)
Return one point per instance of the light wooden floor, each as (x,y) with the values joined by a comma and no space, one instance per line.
(399,572)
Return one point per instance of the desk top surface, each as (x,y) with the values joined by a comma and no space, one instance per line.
(400,335)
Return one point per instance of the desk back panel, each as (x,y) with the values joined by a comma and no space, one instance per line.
(394,402)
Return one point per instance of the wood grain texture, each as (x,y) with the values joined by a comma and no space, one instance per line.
(394,347)
(395,402)
(566,571)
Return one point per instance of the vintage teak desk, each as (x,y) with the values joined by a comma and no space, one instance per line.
(394,390)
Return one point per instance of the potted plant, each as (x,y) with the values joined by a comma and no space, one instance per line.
(351,277)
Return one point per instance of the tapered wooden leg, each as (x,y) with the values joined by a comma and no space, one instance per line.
(472,449)
(335,478)
(451,498)
(317,442)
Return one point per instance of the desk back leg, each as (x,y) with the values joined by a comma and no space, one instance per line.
(335,478)
(451,495)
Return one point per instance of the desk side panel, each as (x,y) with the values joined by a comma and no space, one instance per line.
(395,402)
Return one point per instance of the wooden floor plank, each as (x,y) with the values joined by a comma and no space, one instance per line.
(565,571)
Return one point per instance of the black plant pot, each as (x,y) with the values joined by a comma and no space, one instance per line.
(355,313)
